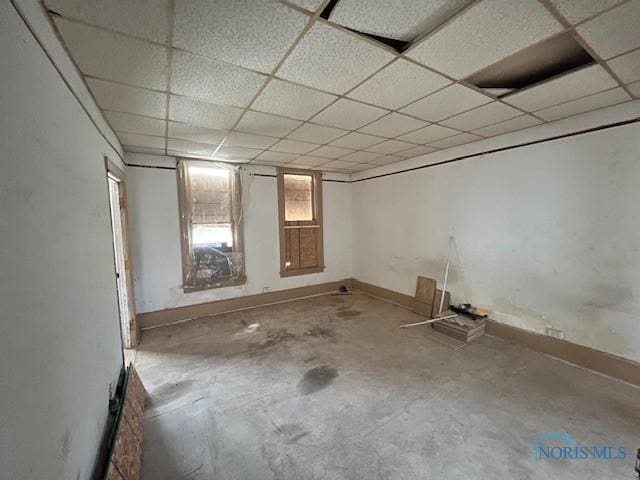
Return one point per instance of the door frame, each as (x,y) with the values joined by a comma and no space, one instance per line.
(116,173)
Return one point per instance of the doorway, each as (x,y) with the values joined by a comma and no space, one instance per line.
(122,257)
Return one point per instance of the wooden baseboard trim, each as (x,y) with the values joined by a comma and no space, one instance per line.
(180,314)
(598,361)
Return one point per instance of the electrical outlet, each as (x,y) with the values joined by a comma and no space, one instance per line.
(555,333)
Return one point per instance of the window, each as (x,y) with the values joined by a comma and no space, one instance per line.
(300,211)
(210,223)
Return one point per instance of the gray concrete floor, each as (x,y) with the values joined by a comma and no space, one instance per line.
(330,388)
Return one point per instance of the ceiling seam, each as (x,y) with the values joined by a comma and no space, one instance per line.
(170,16)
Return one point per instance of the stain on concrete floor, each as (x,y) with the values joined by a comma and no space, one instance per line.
(400,405)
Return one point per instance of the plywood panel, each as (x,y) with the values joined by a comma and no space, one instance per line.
(308,247)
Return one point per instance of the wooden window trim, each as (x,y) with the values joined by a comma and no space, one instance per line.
(317,222)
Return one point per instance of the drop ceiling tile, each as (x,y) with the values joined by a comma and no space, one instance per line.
(592,102)
(614,32)
(399,83)
(150,151)
(387,160)
(446,103)
(292,146)
(578,10)
(627,67)
(137,140)
(429,134)
(405,20)
(291,100)
(390,146)
(125,122)
(253,34)
(333,60)
(237,153)
(348,114)
(122,98)
(634,88)
(510,125)
(309,161)
(339,164)
(393,125)
(112,56)
(250,140)
(187,110)
(311,5)
(460,139)
(363,157)
(257,161)
(192,133)
(327,151)
(358,167)
(479,117)
(487,32)
(316,133)
(220,83)
(267,124)
(417,151)
(195,148)
(147,18)
(356,141)
(562,89)
(276,157)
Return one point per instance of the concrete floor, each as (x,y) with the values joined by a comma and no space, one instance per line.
(330,388)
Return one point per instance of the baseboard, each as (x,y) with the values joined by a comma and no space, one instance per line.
(180,314)
(586,357)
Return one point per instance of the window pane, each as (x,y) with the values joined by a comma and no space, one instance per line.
(298,197)
(210,195)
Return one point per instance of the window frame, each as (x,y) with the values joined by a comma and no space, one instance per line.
(186,227)
(317,222)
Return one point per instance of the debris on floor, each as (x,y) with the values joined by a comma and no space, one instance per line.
(461,328)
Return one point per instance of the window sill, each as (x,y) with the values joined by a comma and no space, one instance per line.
(301,271)
(231,283)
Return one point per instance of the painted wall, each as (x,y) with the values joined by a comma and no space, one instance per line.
(155,232)
(59,337)
(544,236)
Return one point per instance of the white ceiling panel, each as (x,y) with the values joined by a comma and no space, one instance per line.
(417,151)
(212,81)
(387,160)
(276,157)
(397,84)
(510,125)
(309,161)
(327,151)
(393,125)
(137,140)
(360,157)
(112,56)
(253,34)
(141,18)
(483,34)
(125,122)
(311,5)
(333,60)
(122,98)
(403,20)
(578,10)
(316,133)
(187,110)
(239,139)
(268,163)
(150,151)
(563,89)
(634,88)
(481,116)
(291,100)
(348,114)
(292,146)
(356,141)
(627,67)
(615,31)
(357,167)
(592,102)
(340,164)
(456,140)
(183,131)
(186,146)
(391,146)
(266,124)
(233,153)
(446,103)
(429,134)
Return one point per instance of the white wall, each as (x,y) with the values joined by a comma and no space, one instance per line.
(546,235)
(59,337)
(155,232)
